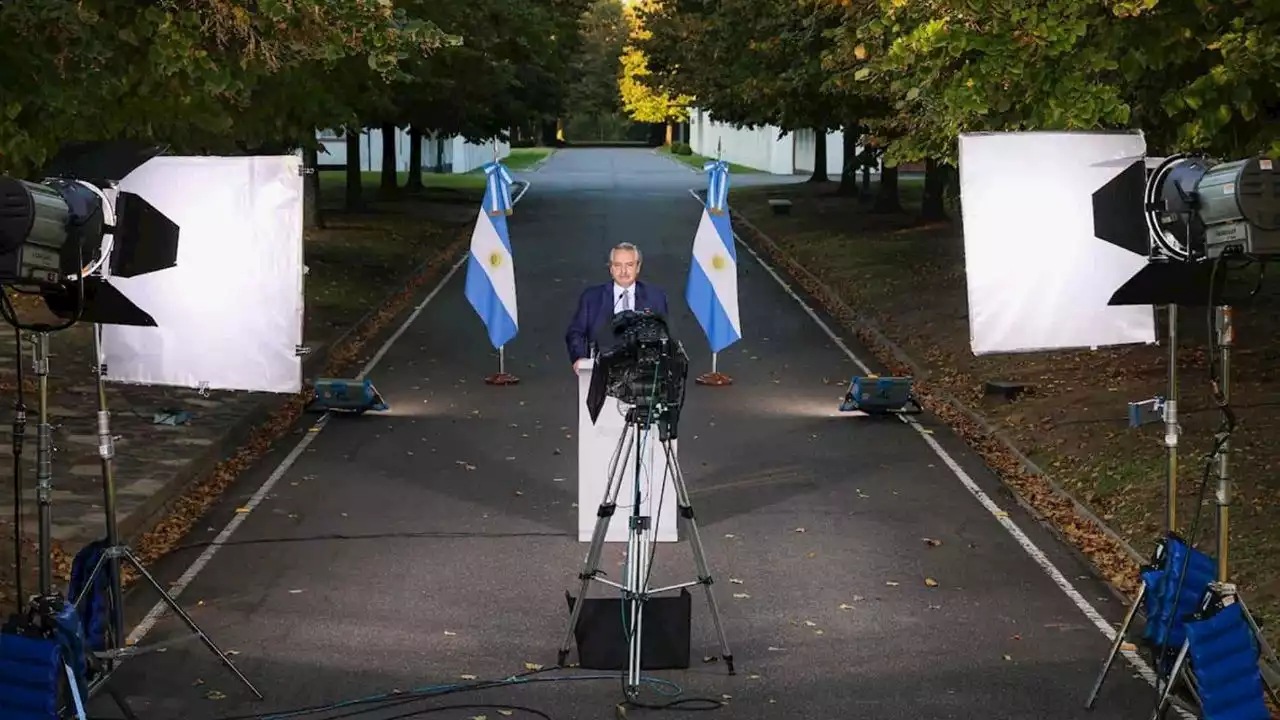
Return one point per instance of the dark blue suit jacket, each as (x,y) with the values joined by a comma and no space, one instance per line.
(595,309)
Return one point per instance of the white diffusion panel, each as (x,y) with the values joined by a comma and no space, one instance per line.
(229,315)
(1038,277)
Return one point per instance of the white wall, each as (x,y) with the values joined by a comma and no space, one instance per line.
(460,156)
(763,148)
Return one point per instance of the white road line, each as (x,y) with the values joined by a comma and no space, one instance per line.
(160,608)
(1001,516)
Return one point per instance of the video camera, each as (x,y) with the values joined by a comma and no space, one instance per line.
(645,368)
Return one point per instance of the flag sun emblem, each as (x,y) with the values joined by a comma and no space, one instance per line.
(718,262)
(495,259)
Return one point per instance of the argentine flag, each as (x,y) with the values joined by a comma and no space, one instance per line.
(712,292)
(491,278)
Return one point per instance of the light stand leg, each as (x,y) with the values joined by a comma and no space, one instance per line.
(502,377)
(1171,428)
(1226,338)
(1121,633)
(107,453)
(685,510)
(44,463)
(591,565)
(116,551)
(715,377)
(19,438)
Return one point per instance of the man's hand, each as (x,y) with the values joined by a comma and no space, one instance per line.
(575,365)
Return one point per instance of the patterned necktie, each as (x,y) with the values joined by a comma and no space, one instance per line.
(626,299)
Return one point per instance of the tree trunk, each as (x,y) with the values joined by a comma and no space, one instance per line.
(668,140)
(355,179)
(311,218)
(933,204)
(389,183)
(819,156)
(439,151)
(887,200)
(414,182)
(849,166)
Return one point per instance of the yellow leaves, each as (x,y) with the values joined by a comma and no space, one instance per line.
(930,582)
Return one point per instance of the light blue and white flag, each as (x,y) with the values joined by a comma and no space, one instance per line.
(712,292)
(491,279)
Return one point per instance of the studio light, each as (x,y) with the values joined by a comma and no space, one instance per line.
(1191,214)
(52,232)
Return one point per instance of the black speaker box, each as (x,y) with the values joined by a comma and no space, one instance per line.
(664,633)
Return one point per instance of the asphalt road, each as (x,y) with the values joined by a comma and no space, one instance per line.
(413,548)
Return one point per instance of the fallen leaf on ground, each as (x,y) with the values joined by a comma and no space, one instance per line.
(846,606)
(930,582)
(215,695)
(741,596)
(450,633)
(730,535)
(890,583)
(532,666)
(810,623)
(467,677)
(931,542)
(735,581)
(799,529)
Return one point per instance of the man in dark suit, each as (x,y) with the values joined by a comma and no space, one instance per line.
(592,323)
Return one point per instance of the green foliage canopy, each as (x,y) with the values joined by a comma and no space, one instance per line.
(183,72)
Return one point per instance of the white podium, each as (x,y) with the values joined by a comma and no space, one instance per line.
(596,445)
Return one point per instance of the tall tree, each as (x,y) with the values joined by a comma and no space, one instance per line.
(641,92)
(597,65)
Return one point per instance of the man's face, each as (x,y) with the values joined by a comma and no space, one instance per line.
(624,266)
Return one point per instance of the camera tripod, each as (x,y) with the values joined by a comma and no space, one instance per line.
(639,421)
(115,551)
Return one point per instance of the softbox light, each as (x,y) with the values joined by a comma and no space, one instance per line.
(229,314)
(1039,276)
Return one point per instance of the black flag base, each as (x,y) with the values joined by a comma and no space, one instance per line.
(501,378)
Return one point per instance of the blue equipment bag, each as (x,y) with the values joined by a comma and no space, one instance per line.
(1168,606)
(95,608)
(35,652)
(1224,661)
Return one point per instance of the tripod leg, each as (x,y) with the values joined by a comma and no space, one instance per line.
(1174,673)
(177,609)
(1115,648)
(685,509)
(591,565)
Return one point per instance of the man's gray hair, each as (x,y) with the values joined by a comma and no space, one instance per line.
(626,246)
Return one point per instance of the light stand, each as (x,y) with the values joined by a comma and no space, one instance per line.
(115,551)
(1167,408)
(19,438)
(1221,593)
(636,591)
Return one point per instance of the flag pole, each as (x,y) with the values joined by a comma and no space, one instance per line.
(502,377)
(714,378)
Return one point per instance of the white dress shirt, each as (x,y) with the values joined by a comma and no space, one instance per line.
(619,304)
